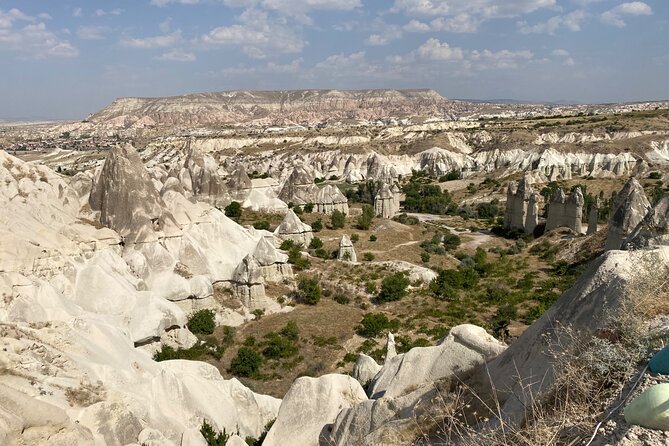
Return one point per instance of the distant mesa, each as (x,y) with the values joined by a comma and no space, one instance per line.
(269,107)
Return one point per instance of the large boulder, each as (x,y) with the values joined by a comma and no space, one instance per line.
(465,347)
(365,369)
(309,405)
(629,209)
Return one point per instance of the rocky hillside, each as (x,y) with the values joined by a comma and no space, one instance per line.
(270,107)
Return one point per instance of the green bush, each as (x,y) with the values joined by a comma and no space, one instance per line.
(282,344)
(372,238)
(451,242)
(450,176)
(341,298)
(487,210)
(262,224)
(286,245)
(368,256)
(247,362)
(375,324)
(355,238)
(309,208)
(296,258)
(406,219)
(393,287)
(365,220)
(202,322)
(315,243)
(654,176)
(233,210)
(309,290)
(337,219)
(424,257)
(212,437)
(317,226)
(298,210)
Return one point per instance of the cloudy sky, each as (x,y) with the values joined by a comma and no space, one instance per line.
(68,58)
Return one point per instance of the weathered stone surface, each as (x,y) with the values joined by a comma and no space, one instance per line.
(593,216)
(466,347)
(391,351)
(629,209)
(653,230)
(309,405)
(127,200)
(385,202)
(249,287)
(239,184)
(200,171)
(346,251)
(365,369)
(292,228)
(330,199)
(274,264)
(299,188)
(522,206)
(566,211)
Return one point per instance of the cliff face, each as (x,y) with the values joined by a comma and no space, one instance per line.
(270,107)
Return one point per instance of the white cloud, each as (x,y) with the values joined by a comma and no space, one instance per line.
(44,16)
(162,3)
(77,12)
(92,32)
(269,68)
(615,15)
(24,35)
(484,8)
(177,55)
(166,25)
(416,26)
(102,12)
(388,34)
(504,59)
(257,34)
(433,49)
(559,52)
(162,41)
(571,21)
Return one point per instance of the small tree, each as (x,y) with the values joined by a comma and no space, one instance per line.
(212,437)
(393,287)
(309,208)
(337,219)
(315,243)
(202,322)
(309,290)
(246,363)
(365,220)
(233,210)
(262,224)
(355,238)
(317,226)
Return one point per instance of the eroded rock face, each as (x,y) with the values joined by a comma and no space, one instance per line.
(386,203)
(299,188)
(292,228)
(274,265)
(653,230)
(200,172)
(593,216)
(629,209)
(566,211)
(522,206)
(365,369)
(466,347)
(309,405)
(127,199)
(249,286)
(346,251)
(239,184)
(330,199)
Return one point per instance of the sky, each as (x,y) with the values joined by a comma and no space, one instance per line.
(65,59)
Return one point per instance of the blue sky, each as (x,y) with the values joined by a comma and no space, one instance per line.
(68,58)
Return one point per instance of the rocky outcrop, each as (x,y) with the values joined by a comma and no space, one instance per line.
(566,211)
(593,216)
(299,188)
(199,176)
(274,265)
(239,184)
(309,405)
(385,202)
(365,369)
(127,199)
(292,228)
(330,199)
(403,382)
(629,209)
(464,348)
(346,251)
(653,230)
(248,284)
(522,206)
